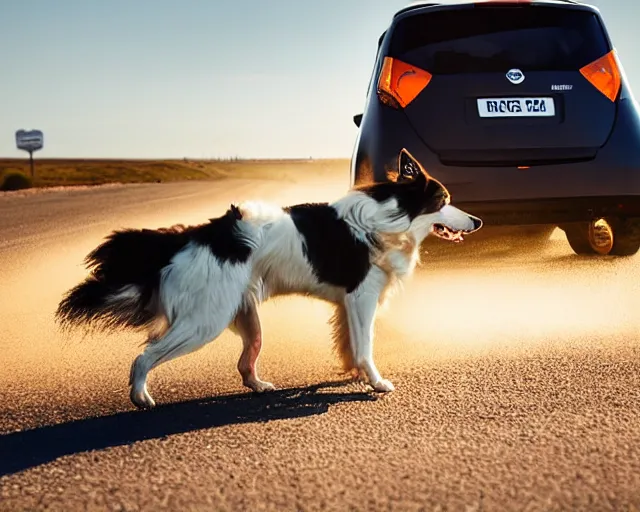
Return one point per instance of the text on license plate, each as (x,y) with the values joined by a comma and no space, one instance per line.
(516,107)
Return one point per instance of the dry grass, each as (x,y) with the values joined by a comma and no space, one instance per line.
(61,172)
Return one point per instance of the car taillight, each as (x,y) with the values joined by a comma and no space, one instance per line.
(400,83)
(604,75)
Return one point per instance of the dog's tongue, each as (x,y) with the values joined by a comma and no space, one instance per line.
(453,236)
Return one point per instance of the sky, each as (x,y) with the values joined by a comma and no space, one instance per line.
(203,78)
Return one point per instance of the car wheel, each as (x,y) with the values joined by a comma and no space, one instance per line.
(595,238)
(626,236)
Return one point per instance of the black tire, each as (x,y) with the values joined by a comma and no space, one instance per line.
(626,236)
(578,237)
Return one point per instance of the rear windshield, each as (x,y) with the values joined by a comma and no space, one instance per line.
(496,39)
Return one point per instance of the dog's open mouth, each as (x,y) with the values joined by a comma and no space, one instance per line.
(446,233)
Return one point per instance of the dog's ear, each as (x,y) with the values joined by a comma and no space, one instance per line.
(409,169)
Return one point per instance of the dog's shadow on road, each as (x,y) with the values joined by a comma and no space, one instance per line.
(23,450)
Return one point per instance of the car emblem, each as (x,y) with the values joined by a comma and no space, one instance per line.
(515,76)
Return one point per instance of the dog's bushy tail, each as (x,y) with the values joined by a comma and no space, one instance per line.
(95,304)
(122,289)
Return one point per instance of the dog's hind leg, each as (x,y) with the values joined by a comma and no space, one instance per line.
(361,306)
(182,338)
(200,294)
(247,324)
(194,320)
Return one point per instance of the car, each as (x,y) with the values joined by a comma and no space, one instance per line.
(520,108)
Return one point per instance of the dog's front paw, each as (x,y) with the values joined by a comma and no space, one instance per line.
(383,386)
(259,386)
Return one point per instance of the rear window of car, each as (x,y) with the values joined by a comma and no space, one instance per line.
(496,39)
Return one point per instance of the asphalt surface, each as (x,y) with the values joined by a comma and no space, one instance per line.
(516,371)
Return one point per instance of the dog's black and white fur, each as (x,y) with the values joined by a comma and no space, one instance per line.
(186,285)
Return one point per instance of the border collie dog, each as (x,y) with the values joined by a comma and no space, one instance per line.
(186,285)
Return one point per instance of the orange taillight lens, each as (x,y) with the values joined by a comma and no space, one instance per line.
(604,75)
(400,83)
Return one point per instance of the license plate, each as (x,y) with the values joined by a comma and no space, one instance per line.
(516,107)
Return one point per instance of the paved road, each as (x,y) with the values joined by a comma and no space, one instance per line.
(517,375)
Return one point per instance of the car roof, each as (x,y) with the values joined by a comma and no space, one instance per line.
(421,4)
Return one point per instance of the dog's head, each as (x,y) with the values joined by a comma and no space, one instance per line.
(428,203)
